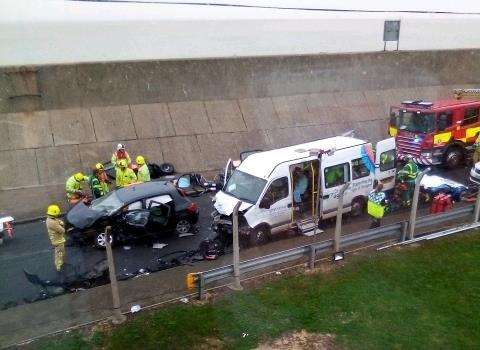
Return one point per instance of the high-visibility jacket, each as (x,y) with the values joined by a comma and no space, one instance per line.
(375,205)
(72,186)
(143,174)
(125,177)
(333,176)
(56,230)
(410,170)
(99,188)
(117,155)
(477,143)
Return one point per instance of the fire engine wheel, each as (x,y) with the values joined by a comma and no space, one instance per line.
(259,236)
(358,207)
(453,157)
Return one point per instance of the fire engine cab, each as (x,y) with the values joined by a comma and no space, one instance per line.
(439,132)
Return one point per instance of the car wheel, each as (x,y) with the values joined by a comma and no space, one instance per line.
(453,157)
(183,226)
(167,168)
(259,236)
(358,207)
(101,239)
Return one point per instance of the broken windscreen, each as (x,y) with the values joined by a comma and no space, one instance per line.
(244,186)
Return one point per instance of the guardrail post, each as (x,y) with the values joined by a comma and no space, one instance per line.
(201,286)
(413,212)
(338,223)
(476,211)
(404,230)
(236,250)
(117,316)
(313,255)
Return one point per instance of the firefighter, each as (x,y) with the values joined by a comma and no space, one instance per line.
(73,187)
(376,204)
(119,154)
(476,153)
(124,176)
(143,174)
(97,181)
(56,233)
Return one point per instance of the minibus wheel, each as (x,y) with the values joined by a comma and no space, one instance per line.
(259,235)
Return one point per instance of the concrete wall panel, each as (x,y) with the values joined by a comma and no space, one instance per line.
(25,130)
(322,107)
(259,113)
(18,168)
(216,149)
(113,123)
(33,201)
(225,116)
(183,152)
(152,120)
(71,126)
(189,118)
(56,164)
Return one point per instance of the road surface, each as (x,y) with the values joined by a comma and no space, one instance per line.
(30,249)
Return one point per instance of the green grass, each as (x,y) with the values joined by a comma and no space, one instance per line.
(416,298)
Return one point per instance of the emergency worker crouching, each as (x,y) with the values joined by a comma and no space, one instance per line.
(73,187)
(476,153)
(143,174)
(124,175)
(56,233)
(376,204)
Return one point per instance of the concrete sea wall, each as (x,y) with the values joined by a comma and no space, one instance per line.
(56,120)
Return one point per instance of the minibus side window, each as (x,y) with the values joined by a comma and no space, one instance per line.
(359,169)
(336,175)
(277,190)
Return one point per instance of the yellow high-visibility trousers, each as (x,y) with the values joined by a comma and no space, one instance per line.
(59,256)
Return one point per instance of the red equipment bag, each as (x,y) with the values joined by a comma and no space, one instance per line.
(441,203)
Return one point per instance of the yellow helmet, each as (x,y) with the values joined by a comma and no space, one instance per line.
(140,160)
(53,210)
(99,166)
(79,177)
(122,163)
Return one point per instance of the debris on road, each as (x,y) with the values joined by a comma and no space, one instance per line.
(159,245)
(185,234)
(184,300)
(126,247)
(135,308)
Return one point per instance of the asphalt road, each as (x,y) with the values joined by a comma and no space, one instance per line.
(30,250)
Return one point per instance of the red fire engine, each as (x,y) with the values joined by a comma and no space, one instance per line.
(439,132)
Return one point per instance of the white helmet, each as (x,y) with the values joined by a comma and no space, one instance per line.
(120,146)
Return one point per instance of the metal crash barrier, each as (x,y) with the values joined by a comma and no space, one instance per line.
(397,231)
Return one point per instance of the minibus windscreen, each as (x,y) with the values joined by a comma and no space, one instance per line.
(244,186)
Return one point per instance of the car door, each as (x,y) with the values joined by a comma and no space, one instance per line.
(162,210)
(274,207)
(134,219)
(385,163)
(334,176)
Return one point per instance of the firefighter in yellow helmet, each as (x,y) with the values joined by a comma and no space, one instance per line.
(124,176)
(73,187)
(143,174)
(56,233)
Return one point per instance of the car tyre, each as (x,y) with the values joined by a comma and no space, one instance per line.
(183,226)
(100,240)
(167,168)
(358,207)
(259,236)
(453,157)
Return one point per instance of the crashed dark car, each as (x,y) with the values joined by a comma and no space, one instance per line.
(142,210)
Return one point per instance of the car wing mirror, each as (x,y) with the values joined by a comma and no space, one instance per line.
(184,181)
(266,203)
